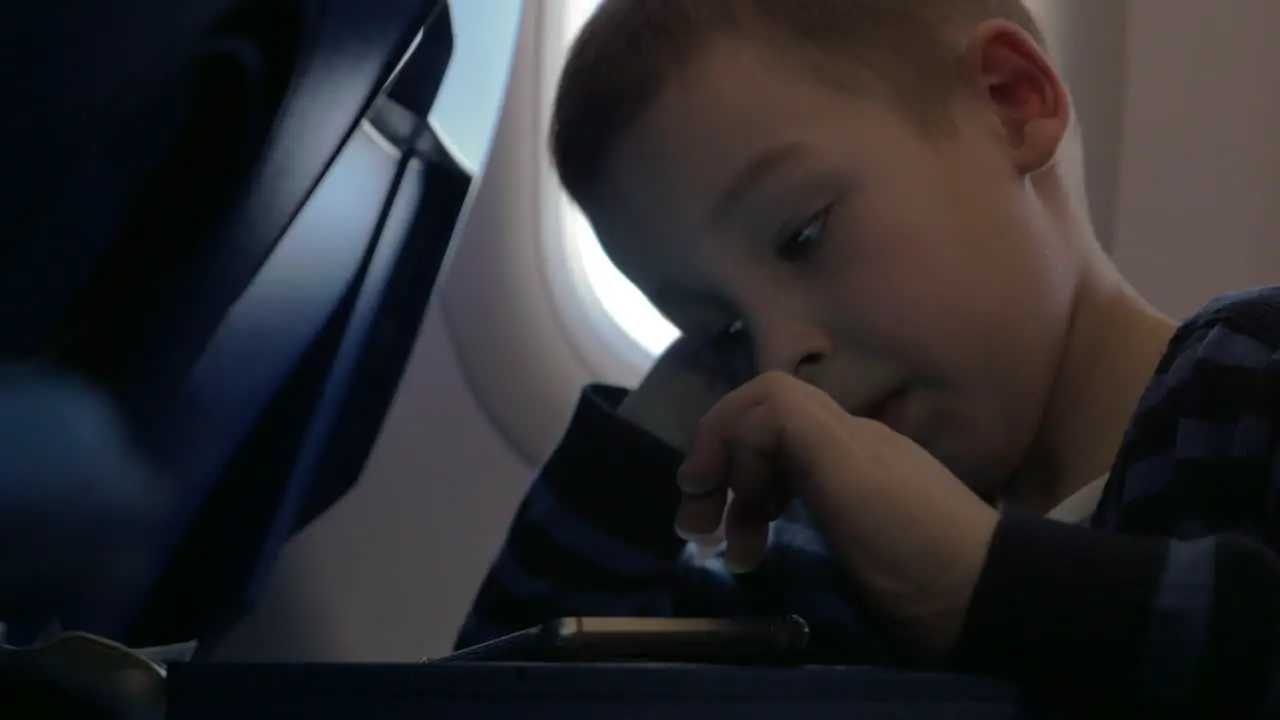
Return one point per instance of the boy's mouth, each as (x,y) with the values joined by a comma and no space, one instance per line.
(888,407)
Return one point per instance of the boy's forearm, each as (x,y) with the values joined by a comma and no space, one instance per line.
(1183,627)
(594,535)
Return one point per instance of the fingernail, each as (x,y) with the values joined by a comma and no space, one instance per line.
(691,536)
(696,491)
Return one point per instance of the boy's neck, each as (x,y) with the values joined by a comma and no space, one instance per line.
(1115,342)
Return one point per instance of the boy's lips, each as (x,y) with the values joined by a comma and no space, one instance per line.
(888,407)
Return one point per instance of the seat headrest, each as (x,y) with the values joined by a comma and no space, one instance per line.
(160,151)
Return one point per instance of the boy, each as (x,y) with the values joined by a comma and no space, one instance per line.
(881,200)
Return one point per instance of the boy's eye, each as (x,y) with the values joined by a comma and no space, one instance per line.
(796,244)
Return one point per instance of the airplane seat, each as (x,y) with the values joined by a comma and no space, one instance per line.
(228,215)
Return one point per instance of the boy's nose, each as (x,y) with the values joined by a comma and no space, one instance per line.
(788,348)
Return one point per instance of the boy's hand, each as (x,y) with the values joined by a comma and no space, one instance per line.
(689,378)
(911,535)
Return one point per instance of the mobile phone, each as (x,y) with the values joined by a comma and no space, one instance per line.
(720,641)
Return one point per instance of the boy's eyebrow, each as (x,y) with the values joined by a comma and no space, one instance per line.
(751,175)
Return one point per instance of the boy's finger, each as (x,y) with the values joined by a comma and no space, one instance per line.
(746,543)
(746,528)
(758,489)
(700,516)
(706,467)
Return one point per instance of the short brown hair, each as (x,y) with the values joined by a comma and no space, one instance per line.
(622,58)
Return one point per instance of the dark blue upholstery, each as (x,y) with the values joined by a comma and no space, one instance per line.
(192,223)
(489,691)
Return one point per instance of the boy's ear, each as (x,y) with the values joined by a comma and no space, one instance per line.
(1013,74)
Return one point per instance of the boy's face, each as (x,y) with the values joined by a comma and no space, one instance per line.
(915,279)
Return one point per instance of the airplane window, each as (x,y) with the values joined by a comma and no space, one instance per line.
(622,302)
(467,108)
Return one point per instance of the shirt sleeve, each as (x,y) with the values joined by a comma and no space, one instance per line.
(595,536)
(1179,615)
(1103,623)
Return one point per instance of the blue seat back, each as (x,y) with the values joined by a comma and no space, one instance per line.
(235,232)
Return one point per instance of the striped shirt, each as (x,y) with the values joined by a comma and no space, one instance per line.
(1168,600)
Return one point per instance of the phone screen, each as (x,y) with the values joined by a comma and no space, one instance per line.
(775,641)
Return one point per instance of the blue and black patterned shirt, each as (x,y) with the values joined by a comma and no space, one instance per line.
(1169,602)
